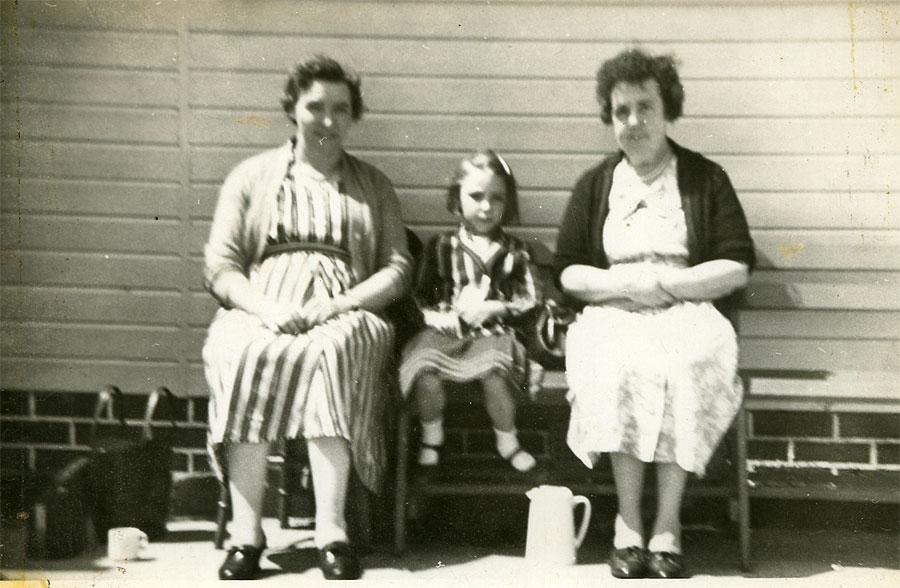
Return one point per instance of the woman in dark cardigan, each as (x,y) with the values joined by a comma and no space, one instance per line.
(652,236)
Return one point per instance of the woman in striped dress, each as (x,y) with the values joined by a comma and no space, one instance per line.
(305,247)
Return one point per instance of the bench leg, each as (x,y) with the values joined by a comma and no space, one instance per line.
(223,513)
(743,490)
(283,495)
(402,482)
(359,514)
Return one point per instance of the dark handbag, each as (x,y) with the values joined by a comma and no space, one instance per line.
(130,476)
(543,329)
(59,517)
(44,516)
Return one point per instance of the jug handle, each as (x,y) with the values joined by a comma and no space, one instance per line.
(585,519)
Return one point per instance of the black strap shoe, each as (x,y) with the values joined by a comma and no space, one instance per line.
(628,563)
(338,561)
(242,563)
(665,564)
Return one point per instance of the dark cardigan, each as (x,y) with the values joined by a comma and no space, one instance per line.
(716,225)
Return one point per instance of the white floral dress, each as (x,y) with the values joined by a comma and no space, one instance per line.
(657,384)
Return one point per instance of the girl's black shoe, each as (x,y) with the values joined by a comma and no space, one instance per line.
(242,563)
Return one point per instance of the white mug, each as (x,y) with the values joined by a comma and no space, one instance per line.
(125,543)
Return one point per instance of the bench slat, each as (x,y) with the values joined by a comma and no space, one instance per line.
(868,389)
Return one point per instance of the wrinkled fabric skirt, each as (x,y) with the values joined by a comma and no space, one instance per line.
(326,382)
(659,385)
(464,359)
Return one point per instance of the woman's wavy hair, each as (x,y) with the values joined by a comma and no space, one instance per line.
(635,66)
(323,69)
(486,159)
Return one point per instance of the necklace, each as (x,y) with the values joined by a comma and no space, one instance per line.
(657,170)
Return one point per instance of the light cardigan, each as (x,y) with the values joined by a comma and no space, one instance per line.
(377,241)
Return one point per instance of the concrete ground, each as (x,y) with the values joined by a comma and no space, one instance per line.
(781,556)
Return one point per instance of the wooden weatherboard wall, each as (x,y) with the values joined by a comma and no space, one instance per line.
(119,120)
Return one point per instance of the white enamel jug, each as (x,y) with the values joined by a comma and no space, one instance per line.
(551,527)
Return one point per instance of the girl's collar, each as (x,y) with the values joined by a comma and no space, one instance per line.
(496,234)
(498,243)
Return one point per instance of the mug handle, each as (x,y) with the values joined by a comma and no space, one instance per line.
(585,519)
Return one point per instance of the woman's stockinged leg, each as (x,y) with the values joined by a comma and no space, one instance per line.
(671,480)
(330,463)
(501,407)
(628,473)
(430,401)
(247,463)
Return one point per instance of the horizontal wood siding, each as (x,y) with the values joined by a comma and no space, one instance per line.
(94,274)
(119,121)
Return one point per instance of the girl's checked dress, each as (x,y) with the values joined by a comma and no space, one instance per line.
(325,382)
(450,263)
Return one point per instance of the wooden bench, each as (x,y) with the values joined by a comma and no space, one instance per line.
(828,392)
(466,475)
(764,390)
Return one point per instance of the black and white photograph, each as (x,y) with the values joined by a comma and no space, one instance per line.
(423,292)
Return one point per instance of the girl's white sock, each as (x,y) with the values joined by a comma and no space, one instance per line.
(508,444)
(432,434)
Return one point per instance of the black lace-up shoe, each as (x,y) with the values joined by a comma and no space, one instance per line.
(628,563)
(242,563)
(665,564)
(338,561)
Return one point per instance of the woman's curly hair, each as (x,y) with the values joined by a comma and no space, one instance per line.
(323,69)
(635,66)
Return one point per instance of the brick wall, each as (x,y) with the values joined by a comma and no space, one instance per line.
(42,431)
(836,441)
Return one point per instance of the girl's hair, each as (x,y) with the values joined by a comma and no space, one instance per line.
(323,69)
(487,159)
(635,66)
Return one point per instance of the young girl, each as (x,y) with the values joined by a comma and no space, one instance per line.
(470,281)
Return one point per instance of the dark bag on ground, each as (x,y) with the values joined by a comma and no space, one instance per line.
(45,516)
(130,472)
(59,519)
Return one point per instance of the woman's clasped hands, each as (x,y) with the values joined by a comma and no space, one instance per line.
(650,286)
(293,319)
